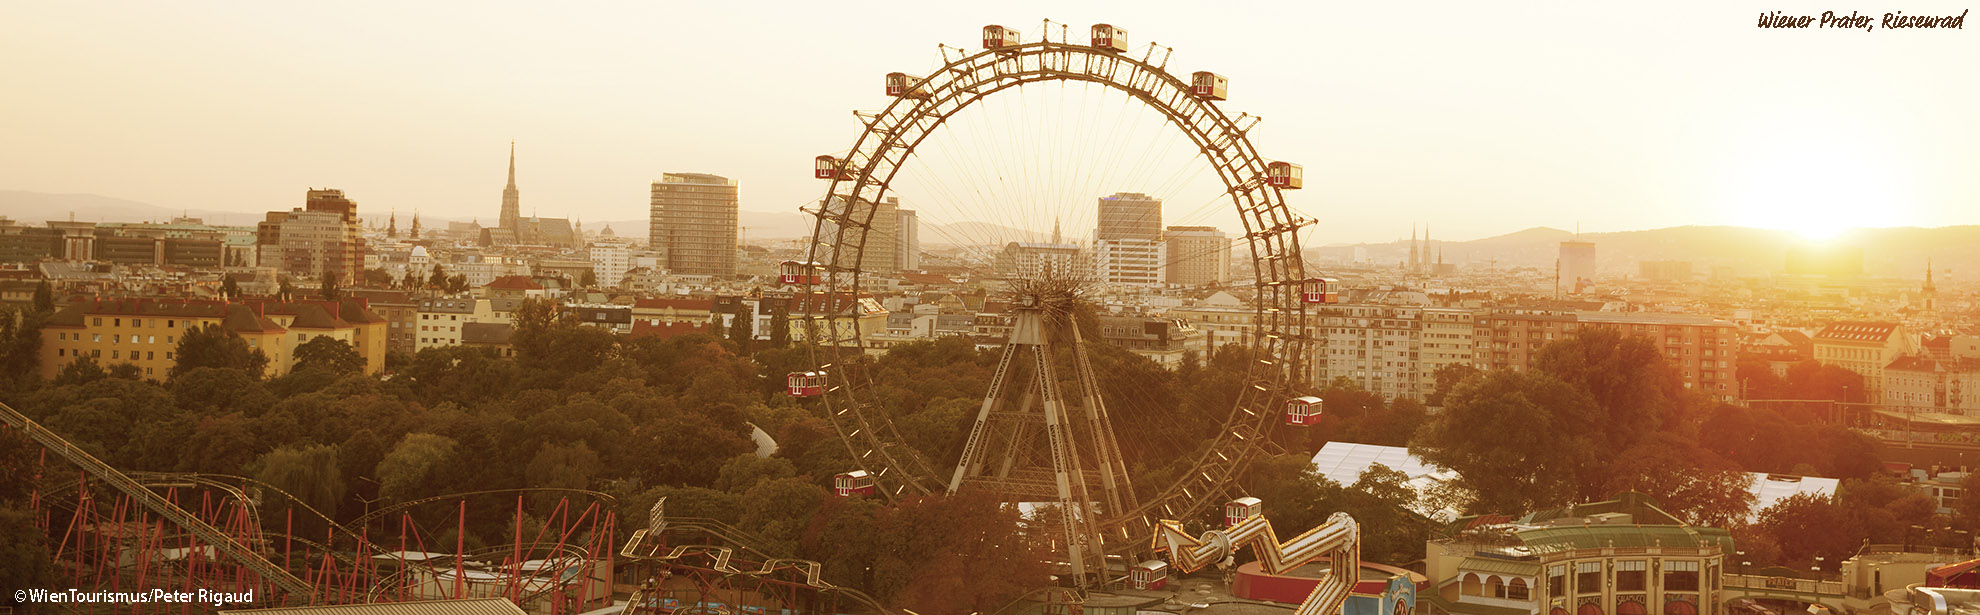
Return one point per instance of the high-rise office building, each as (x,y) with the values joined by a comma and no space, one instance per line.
(1198,255)
(1129,215)
(883,238)
(1577,265)
(694,223)
(321,239)
(907,251)
(1128,248)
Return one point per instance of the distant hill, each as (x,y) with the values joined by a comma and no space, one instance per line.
(38,207)
(1895,252)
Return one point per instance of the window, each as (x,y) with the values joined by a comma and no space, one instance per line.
(1588,577)
(151,339)
(1517,590)
(1630,576)
(168,355)
(137,322)
(134,339)
(96,322)
(169,324)
(1680,576)
(116,322)
(113,354)
(61,351)
(168,339)
(149,355)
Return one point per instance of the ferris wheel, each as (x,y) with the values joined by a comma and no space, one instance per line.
(974,183)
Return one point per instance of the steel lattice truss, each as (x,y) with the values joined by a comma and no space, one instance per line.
(891,136)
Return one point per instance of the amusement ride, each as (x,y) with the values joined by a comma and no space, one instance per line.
(1035,439)
(1042,434)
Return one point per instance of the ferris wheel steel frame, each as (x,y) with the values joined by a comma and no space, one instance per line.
(1278,343)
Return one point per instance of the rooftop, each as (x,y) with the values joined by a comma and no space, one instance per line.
(1857,331)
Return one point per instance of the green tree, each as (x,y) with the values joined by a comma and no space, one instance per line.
(214,345)
(377,278)
(589,279)
(328,354)
(1636,390)
(328,291)
(979,561)
(439,278)
(229,289)
(745,471)
(568,466)
(310,473)
(1520,441)
(284,292)
(407,470)
(457,284)
(779,510)
(742,329)
(44,298)
(1966,511)
(1690,482)
(1447,377)
(780,323)
(1806,525)
(25,557)
(411,281)
(81,370)
(1383,505)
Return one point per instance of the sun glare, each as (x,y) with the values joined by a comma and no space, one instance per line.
(1815,192)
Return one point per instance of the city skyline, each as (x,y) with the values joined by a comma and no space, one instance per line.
(1466,115)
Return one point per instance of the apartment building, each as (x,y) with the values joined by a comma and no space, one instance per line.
(145,332)
(1865,348)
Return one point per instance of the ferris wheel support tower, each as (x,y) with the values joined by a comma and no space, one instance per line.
(1004,455)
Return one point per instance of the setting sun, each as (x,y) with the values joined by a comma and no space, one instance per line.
(1816,188)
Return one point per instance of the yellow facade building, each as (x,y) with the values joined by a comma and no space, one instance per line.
(145,332)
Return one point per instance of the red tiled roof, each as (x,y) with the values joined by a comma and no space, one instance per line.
(514,282)
(1793,337)
(1911,363)
(678,304)
(1856,331)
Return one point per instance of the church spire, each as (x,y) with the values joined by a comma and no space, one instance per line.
(1055,231)
(392,225)
(1415,256)
(512,198)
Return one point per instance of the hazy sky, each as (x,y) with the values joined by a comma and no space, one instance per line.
(1481,117)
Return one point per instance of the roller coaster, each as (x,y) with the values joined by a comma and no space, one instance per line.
(122,532)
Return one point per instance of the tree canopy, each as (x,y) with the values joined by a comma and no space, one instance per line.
(213,345)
